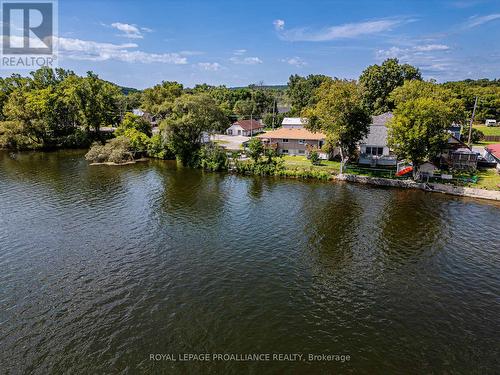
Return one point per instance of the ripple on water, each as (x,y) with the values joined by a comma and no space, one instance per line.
(111,264)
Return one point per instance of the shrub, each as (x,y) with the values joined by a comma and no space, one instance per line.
(12,135)
(131,121)
(79,138)
(255,149)
(157,148)
(116,150)
(213,157)
(139,142)
(314,157)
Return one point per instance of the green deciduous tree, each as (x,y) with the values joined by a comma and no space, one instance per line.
(213,157)
(379,81)
(191,116)
(255,149)
(424,111)
(340,114)
(301,91)
(131,121)
(159,99)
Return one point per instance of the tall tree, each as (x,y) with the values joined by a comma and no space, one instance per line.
(423,113)
(191,116)
(159,99)
(301,90)
(380,80)
(340,114)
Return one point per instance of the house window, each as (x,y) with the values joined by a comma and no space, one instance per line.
(284,151)
(230,132)
(374,151)
(239,132)
(284,140)
(302,152)
(301,141)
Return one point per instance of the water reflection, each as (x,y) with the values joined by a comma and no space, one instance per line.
(332,226)
(412,224)
(111,264)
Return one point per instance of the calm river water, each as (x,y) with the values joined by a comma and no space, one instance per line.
(103,266)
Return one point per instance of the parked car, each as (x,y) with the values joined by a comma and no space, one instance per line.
(490,122)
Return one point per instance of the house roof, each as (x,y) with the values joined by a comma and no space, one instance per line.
(494,150)
(294,121)
(382,119)
(249,124)
(287,133)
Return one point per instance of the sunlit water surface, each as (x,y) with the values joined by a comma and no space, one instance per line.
(102,266)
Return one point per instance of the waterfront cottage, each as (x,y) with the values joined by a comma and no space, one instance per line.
(246,128)
(374,150)
(458,155)
(294,141)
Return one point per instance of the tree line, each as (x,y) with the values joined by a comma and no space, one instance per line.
(57,108)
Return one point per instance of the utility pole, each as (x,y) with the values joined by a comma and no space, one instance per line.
(274,109)
(471,121)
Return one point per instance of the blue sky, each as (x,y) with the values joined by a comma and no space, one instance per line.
(140,43)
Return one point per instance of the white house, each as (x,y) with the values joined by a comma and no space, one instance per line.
(374,150)
(293,122)
(246,128)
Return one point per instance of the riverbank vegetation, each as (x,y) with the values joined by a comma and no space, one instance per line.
(57,108)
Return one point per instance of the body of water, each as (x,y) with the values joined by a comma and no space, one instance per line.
(103,266)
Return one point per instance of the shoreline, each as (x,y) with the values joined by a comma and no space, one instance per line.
(461,191)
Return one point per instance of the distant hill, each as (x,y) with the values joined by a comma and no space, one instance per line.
(264,87)
(128,90)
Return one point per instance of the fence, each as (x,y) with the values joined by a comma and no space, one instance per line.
(371,172)
(491,138)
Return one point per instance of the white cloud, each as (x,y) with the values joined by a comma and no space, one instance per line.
(431,47)
(295,61)
(238,58)
(245,60)
(213,67)
(78,49)
(430,58)
(345,31)
(129,31)
(479,20)
(279,24)
(239,52)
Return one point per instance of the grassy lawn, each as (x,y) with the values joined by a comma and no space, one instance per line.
(301,162)
(488,179)
(488,130)
(483,143)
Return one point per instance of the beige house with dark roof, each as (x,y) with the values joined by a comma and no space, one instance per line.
(294,141)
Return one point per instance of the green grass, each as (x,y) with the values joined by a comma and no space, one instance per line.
(488,130)
(484,143)
(301,162)
(488,179)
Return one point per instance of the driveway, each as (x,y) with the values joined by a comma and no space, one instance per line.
(230,142)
